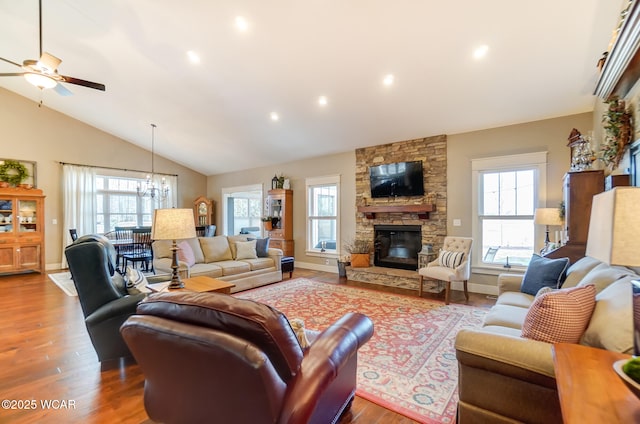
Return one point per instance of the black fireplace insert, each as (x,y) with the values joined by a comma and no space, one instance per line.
(397,246)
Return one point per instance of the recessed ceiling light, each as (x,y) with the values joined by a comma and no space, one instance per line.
(242,24)
(274,116)
(480,51)
(388,80)
(323,101)
(193,57)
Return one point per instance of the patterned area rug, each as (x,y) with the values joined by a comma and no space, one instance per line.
(409,365)
(64,281)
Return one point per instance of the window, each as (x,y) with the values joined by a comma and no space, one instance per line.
(509,189)
(323,194)
(118,204)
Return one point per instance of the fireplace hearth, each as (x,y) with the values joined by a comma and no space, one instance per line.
(397,246)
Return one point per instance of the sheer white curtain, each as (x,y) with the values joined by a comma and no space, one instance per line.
(171,182)
(79,202)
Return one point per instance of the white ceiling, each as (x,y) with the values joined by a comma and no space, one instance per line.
(214,117)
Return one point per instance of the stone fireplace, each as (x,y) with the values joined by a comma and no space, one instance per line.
(432,151)
(397,246)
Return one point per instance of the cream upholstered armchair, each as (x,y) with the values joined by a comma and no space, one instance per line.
(453,264)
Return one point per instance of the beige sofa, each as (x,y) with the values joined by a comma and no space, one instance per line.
(504,378)
(217,257)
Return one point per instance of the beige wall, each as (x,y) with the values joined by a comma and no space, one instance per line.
(548,135)
(342,164)
(47,137)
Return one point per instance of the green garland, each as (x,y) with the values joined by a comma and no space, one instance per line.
(13,172)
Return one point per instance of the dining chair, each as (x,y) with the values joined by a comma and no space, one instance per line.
(139,249)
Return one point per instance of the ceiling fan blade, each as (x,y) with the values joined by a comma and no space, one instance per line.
(12,74)
(49,61)
(76,81)
(11,62)
(62,90)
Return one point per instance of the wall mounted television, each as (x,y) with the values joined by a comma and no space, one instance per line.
(397,179)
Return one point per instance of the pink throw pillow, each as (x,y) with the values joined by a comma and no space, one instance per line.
(185,253)
(561,316)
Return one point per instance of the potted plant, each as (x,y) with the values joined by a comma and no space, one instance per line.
(360,251)
(267,222)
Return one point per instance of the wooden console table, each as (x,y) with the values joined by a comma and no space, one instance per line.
(590,390)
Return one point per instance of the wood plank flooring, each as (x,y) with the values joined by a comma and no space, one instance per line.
(46,356)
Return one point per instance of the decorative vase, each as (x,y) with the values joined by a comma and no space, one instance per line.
(268,226)
(360,260)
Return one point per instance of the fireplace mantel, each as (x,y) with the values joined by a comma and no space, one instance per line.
(421,210)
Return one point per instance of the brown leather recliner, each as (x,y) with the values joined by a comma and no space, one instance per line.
(210,357)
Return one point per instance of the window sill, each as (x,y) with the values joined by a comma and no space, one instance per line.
(327,254)
(497,270)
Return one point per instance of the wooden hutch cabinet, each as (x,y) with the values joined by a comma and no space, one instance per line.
(578,191)
(280,205)
(21,230)
(203,211)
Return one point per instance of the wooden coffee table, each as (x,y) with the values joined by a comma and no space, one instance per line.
(198,284)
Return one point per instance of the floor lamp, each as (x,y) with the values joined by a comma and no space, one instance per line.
(614,238)
(547,217)
(173,224)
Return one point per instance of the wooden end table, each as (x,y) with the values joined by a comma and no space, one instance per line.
(590,391)
(198,284)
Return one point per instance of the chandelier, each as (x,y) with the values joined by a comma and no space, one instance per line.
(150,190)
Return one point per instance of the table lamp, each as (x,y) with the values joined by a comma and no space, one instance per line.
(614,238)
(547,216)
(173,224)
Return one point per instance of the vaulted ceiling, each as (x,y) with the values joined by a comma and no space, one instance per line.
(214,116)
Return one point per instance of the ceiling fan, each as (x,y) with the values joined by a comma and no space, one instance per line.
(43,73)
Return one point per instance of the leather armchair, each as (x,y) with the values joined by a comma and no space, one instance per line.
(102,294)
(212,357)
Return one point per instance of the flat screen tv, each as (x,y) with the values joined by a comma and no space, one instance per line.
(397,179)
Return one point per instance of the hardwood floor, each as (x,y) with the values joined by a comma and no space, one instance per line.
(46,356)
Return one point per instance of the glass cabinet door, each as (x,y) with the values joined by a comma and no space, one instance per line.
(6,215)
(27,219)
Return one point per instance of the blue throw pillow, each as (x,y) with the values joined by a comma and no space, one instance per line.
(544,272)
(262,247)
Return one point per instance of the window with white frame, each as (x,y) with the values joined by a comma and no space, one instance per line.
(508,190)
(323,194)
(118,204)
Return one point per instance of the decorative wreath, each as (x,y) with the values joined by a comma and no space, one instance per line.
(13,172)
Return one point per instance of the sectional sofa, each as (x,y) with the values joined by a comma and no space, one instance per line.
(241,260)
(505,378)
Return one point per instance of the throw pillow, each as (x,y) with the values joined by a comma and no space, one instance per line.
(136,281)
(611,325)
(262,247)
(544,290)
(215,249)
(246,250)
(450,259)
(561,316)
(543,272)
(297,325)
(185,253)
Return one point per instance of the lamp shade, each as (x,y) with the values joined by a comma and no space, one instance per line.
(547,216)
(614,228)
(173,224)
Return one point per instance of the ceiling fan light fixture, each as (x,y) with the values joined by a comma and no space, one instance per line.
(40,80)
